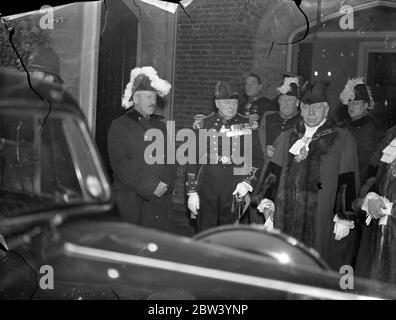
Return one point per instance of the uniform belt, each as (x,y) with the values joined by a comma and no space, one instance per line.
(224,160)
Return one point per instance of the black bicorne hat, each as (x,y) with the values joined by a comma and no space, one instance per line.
(315,93)
(356,89)
(224,90)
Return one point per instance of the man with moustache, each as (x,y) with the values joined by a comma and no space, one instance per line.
(214,181)
(143,189)
(319,182)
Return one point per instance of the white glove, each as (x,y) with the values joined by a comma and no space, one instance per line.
(242,189)
(270,151)
(377,207)
(193,203)
(342,227)
(267,207)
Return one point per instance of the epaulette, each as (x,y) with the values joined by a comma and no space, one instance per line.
(199,121)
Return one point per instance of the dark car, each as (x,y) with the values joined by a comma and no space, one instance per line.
(60,238)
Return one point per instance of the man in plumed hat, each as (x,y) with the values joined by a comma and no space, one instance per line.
(367,130)
(272,131)
(143,188)
(318,182)
(219,178)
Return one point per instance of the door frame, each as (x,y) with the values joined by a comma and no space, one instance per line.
(366,47)
(334,15)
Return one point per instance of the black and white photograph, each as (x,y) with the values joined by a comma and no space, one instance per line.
(217,151)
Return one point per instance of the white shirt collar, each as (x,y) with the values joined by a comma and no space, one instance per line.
(310,131)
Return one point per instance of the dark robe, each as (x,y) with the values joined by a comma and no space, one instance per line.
(368,133)
(377,251)
(273,131)
(313,190)
(134,179)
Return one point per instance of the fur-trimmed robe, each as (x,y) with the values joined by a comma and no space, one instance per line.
(377,252)
(313,190)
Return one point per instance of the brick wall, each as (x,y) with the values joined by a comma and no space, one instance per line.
(221,43)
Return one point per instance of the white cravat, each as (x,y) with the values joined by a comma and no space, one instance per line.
(306,140)
(389,153)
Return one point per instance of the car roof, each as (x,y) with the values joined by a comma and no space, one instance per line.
(17,91)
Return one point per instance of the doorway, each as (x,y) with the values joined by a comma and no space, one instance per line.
(381,77)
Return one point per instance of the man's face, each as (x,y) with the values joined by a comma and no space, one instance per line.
(40,75)
(145,102)
(252,86)
(287,105)
(357,108)
(227,107)
(315,113)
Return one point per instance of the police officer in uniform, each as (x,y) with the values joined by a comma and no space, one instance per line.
(219,177)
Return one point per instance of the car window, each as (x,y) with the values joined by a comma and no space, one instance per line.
(58,173)
(43,167)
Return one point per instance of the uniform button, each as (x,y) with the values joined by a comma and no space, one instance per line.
(215,149)
(156,217)
(214,136)
(214,142)
(233,149)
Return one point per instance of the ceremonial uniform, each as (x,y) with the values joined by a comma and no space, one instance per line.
(257,108)
(134,179)
(319,183)
(213,177)
(313,191)
(143,182)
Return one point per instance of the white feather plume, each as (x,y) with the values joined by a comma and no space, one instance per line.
(285,87)
(161,86)
(348,94)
